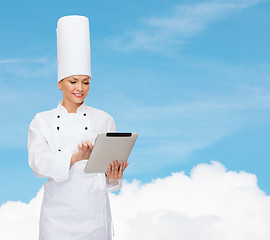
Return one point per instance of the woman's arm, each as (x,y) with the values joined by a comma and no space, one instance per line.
(84,151)
(43,161)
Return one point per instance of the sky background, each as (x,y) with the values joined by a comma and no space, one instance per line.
(191,77)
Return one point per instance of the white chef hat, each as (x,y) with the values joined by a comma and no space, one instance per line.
(73,46)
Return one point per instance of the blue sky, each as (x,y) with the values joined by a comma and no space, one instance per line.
(191,77)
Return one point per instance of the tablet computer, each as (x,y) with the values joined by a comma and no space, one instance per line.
(109,147)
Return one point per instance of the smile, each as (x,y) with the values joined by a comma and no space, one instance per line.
(78,94)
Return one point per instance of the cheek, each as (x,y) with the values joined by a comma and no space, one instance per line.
(86,88)
(70,88)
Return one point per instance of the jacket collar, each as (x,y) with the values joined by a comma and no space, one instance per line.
(80,109)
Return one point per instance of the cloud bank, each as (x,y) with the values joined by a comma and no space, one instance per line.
(163,34)
(209,204)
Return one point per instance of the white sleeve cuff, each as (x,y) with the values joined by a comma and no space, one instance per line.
(113,184)
(61,166)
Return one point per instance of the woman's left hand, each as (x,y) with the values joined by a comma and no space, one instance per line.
(113,171)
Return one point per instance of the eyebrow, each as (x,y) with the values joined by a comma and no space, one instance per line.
(83,79)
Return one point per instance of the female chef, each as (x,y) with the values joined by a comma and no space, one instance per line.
(75,204)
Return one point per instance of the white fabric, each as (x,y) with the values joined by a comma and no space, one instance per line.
(73,46)
(75,205)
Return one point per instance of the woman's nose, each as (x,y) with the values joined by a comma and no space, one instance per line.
(79,87)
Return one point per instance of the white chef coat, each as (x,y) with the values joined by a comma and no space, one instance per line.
(75,204)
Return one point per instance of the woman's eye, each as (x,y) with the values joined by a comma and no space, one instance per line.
(72,82)
(86,83)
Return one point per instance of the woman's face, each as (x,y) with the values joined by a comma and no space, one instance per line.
(75,88)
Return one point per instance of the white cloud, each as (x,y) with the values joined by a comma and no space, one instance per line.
(26,68)
(20,220)
(210,204)
(163,34)
(23,60)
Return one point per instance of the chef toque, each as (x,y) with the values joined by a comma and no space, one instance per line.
(73,46)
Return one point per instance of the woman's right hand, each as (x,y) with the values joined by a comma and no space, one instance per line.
(84,151)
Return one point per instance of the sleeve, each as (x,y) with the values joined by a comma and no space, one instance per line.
(112,184)
(43,161)
(111,125)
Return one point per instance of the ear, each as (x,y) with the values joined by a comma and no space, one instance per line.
(59,84)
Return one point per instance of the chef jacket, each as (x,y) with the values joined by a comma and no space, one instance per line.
(75,204)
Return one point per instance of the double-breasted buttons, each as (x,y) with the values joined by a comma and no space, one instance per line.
(58,128)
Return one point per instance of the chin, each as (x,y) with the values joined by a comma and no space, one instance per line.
(76,100)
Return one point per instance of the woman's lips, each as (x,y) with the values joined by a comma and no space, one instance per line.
(77,95)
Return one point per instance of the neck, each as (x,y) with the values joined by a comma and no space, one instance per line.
(70,106)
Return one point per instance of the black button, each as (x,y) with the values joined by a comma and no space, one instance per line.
(57,128)
(86,128)
(84,114)
(58,116)
(59,150)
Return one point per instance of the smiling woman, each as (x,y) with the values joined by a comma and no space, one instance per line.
(75,89)
(75,204)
